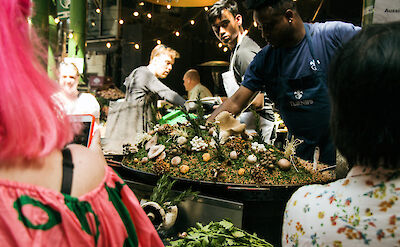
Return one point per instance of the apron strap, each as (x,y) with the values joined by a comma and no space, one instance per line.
(310,46)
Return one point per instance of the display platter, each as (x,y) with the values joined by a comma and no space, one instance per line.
(201,151)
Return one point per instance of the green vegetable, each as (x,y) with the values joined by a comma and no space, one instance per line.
(217,234)
(162,193)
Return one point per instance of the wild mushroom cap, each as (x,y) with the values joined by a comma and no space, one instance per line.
(229,126)
(226,121)
(151,142)
(155,151)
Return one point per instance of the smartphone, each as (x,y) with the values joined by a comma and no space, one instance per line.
(85,135)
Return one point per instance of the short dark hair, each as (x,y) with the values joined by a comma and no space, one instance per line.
(364,83)
(216,10)
(280,5)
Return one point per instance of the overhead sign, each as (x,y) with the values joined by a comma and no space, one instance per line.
(380,11)
(386,11)
(183,3)
(63,9)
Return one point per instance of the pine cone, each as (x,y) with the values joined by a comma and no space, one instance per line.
(161,167)
(258,174)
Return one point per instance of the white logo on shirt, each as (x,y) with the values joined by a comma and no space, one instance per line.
(298,94)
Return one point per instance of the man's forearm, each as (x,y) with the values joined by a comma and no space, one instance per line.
(236,103)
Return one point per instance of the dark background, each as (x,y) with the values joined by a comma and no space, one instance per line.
(196,43)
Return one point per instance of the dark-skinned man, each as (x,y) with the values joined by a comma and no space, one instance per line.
(292,70)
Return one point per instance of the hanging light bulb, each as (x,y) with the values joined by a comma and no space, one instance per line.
(206,8)
(71,35)
(57,20)
(149,15)
(121,21)
(169,6)
(219,44)
(98,10)
(158,42)
(137,46)
(225,49)
(108,45)
(177,34)
(135,13)
(255,24)
(141,3)
(192,22)
(93,23)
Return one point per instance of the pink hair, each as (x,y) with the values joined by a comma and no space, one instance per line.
(31,122)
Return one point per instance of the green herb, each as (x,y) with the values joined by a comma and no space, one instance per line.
(162,193)
(259,138)
(222,233)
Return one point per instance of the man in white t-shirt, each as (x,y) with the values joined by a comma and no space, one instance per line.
(73,101)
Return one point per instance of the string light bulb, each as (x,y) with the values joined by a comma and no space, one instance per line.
(149,15)
(121,21)
(70,35)
(169,6)
(93,23)
(98,10)
(158,42)
(177,34)
(219,44)
(56,20)
(255,24)
(137,46)
(192,22)
(225,49)
(141,3)
(135,13)
(108,45)
(206,8)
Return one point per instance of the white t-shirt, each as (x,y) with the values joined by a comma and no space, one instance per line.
(85,104)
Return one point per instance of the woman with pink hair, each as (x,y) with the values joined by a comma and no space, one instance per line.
(51,195)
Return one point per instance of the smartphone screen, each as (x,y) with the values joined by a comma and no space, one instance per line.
(84,137)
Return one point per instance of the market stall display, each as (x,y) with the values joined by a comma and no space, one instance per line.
(221,152)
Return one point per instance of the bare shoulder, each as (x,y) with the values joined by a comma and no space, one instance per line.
(89,169)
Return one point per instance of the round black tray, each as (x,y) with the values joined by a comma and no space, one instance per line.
(230,191)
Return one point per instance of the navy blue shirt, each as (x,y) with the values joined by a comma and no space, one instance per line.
(294,62)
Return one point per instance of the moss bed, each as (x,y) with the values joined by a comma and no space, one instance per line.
(221,168)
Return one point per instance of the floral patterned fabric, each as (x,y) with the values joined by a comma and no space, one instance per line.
(110,215)
(359,210)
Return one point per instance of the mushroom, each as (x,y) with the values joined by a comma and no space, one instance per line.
(151,142)
(284,164)
(184,169)
(176,160)
(181,140)
(206,157)
(233,155)
(155,151)
(155,213)
(229,126)
(241,171)
(251,159)
(162,156)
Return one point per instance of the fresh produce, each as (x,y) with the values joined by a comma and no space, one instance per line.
(204,151)
(222,233)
